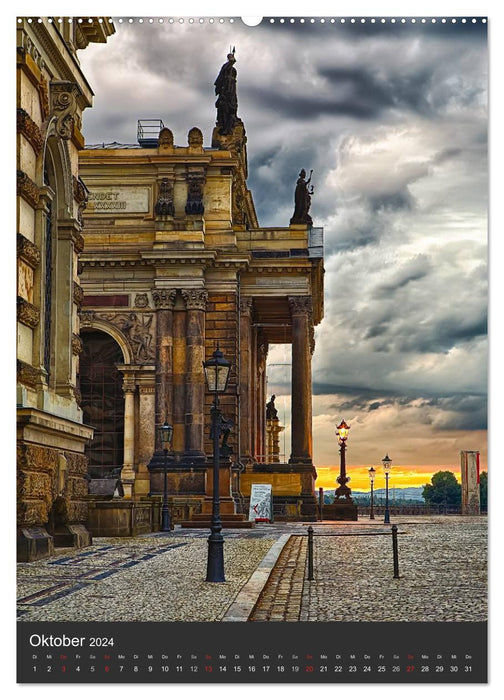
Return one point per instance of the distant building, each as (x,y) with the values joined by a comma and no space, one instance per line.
(175,262)
(52,93)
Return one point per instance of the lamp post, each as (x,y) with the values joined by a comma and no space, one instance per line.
(386,461)
(165,435)
(372,474)
(216,374)
(343,491)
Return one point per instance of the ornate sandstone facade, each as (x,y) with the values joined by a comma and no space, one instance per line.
(52,93)
(175,262)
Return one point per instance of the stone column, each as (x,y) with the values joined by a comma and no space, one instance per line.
(128,471)
(146,437)
(301,421)
(179,365)
(195,301)
(164,300)
(246,379)
(262,354)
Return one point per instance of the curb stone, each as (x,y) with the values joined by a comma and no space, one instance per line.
(243,604)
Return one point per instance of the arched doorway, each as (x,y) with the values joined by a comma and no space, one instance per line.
(102,402)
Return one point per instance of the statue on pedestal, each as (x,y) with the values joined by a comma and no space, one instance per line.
(227,102)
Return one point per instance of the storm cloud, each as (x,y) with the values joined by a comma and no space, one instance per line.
(392,118)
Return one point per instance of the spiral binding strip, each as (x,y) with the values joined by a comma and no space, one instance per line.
(270,20)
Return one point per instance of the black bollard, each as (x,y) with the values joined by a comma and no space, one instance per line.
(310,553)
(395,551)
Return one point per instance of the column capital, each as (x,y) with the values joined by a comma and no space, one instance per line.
(164,298)
(301,305)
(195,298)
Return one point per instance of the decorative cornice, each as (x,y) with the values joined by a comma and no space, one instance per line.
(30,130)
(64,96)
(27,251)
(78,294)
(27,374)
(27,313)
(77,344)
(195,299)
(164,298)
(27,189)
(301,306)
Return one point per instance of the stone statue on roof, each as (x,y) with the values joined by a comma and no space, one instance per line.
(302,200)
(227,101)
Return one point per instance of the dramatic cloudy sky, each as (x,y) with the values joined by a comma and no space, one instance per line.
(393,120)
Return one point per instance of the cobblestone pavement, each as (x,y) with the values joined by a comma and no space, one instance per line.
(160,577)
(149,578)
(442,564)
(281,597)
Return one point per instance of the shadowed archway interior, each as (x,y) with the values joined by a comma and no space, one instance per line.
(102,402)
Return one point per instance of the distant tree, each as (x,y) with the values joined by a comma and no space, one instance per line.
(484,489)
(443,489)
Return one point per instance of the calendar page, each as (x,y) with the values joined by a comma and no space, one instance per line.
(252,349)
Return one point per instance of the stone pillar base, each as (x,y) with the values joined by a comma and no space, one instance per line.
(34,543)
(227,506)
(72,536)
(340,510)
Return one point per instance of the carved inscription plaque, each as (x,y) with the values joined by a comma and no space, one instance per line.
(118,200)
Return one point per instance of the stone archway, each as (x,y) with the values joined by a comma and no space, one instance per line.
(102,402)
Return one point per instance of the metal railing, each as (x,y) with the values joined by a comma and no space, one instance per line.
(395,549)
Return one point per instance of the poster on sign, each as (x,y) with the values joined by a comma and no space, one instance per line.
(261,503)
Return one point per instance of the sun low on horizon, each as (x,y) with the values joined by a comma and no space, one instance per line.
(400,476)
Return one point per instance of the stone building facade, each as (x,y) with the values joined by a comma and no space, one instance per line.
(175,262)
(52,94)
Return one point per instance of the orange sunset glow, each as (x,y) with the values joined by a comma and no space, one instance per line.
(400,477)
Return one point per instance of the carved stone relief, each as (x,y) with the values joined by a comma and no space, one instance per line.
(194,205)
(27,189)
(137,329)
(64,94)
(195,298)
(164,298)
(27,313)
(30,130)
(141,301)
(164,204)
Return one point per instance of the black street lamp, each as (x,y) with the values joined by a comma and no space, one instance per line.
(343,490)
(165,436)
(386,461)
(216,374)
(372,474)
